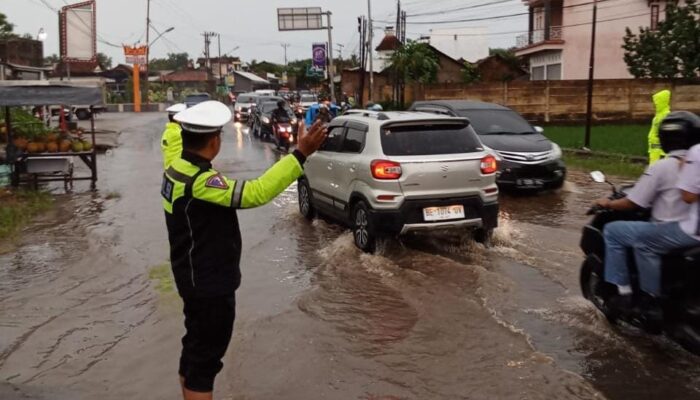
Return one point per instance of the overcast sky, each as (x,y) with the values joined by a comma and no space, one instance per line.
(252,24)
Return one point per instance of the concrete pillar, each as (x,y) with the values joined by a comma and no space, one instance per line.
(547,18)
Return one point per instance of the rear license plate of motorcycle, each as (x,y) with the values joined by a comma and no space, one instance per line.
(529,183)
(443,213)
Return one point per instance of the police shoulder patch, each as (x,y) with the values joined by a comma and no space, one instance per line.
(217,182)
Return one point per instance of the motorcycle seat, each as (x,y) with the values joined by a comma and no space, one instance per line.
(692,253)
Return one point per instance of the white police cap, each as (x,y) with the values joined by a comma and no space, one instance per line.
(176,108)
(205,117)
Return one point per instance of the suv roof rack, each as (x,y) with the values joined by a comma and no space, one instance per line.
(369,114)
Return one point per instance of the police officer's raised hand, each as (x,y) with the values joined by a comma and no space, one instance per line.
(310,140)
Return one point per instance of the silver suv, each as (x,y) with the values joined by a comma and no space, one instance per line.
(389,173)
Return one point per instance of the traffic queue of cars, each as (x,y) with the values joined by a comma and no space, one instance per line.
(437,167)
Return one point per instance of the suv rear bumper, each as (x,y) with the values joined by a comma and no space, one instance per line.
(409,217)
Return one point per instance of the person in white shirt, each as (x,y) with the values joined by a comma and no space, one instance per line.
(657,188)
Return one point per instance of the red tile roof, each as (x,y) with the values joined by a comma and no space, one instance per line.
(186,76)
(389,43)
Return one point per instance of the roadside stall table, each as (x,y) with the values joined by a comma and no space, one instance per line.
(56,166)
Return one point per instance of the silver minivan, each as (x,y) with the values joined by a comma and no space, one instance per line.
(389,173)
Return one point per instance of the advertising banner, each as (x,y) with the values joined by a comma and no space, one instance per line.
(318,56)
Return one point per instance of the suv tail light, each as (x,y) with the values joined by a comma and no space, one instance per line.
(489,165)
(382,169)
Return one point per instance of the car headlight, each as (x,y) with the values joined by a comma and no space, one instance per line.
(556,152)
(265,120)
(294,121)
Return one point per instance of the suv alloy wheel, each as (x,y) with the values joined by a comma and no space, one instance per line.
(305,206)
(362,229)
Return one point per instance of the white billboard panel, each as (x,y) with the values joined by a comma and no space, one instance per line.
(78,32)
(300,19)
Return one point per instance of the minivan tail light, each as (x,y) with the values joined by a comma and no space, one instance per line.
(489,165)
(382,169)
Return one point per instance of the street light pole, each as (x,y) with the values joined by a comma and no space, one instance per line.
(591,70)
(370,50)
(148,46)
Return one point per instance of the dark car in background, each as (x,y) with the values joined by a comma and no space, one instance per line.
(528,160)
(196,98)
(263,124)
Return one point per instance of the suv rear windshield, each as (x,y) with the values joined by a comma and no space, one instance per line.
(490,122)
(421,140)
(246,99)
(306,98)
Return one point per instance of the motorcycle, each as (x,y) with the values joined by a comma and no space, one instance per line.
(680,301)
(283,134)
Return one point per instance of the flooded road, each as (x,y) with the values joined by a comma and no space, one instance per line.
(87,309)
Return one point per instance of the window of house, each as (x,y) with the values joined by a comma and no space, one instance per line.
(554,72)
(537,73)
(654,17)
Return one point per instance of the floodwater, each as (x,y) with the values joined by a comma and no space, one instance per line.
(86,310)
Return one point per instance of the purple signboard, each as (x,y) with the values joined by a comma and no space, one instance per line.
(319,56)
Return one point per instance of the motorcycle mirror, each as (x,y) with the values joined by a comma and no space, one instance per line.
(539,129)
(598,177)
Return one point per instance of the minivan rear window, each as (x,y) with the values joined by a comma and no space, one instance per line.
(421,140)
(245,99)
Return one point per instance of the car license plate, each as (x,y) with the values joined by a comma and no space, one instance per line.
(443,213)
(529,183)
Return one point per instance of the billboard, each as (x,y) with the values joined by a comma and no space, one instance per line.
(318,56)
(300,19)
(135,54)
(78,32)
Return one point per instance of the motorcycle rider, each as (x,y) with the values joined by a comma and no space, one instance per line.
(658,187)
(279,114)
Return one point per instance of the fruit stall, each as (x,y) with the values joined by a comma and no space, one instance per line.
(37,151)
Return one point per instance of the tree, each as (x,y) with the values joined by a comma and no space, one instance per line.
(470,73)
(104,61)
(6,28)
(52,59)
(174,61)
(415,62)
(673,50)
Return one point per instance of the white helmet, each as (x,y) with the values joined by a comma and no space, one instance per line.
(176,108)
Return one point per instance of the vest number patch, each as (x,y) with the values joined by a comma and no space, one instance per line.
(167,189)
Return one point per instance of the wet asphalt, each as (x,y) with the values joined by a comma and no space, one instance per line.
(87,308)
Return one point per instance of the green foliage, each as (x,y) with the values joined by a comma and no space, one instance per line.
(470,73)
(673,50)
(174,61)
(104,60)
(52,59)
(6,28)
(619,166)
(415,62)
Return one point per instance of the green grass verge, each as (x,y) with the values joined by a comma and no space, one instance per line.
(619,139)
(17,208)
(612,166)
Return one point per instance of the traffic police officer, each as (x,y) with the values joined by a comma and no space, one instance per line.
(205,240)
(662,106)
(171,142)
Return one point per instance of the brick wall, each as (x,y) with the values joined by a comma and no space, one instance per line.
(620,100)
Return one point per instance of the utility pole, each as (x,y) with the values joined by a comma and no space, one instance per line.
(221,75)
(362,29)
(370,50)
(591,70)
(331,73)
(285,46)
(340,51)
(148,46)
(207,53)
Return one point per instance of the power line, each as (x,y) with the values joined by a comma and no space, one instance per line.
(460,8)
(496,17)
